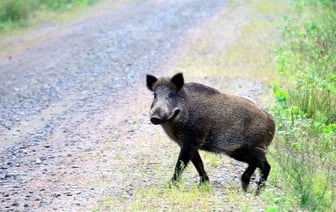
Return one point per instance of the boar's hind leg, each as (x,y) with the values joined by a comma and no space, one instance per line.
(255,159)
(245,179)
(265,170)
(259,160)
(198,163)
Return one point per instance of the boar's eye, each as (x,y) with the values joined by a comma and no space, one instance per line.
(171,95)
(155,95)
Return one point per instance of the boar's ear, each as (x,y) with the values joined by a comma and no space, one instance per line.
(150,81)
(178,81)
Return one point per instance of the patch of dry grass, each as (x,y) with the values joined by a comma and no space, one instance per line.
(239,42)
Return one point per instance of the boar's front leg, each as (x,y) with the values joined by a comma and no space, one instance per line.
(198,163)
(187,153)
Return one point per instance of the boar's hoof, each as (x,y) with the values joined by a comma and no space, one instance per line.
(173,184)
(245,186)
(204,180)
(261,186)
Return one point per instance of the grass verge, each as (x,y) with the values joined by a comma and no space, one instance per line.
(15,14)
(305,110)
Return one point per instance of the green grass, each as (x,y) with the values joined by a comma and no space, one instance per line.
(189,198)
(211,158)
(246,52)
(15,13)
(305,111)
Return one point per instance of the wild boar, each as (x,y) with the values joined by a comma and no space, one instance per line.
(198,117)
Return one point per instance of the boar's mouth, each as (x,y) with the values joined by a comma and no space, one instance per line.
(155,119)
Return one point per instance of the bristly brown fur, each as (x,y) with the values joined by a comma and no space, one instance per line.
(200,117)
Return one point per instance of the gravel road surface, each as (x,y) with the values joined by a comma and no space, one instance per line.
(74,107)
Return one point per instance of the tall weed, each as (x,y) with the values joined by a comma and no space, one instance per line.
(308,58)
(306,109)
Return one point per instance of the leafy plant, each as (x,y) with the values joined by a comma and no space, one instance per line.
(305,110)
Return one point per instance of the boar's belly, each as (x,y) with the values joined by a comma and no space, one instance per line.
(223,143)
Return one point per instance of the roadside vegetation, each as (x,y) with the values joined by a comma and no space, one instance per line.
(15,14)
(305,149)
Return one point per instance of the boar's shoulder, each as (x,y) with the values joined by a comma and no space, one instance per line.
(201,89)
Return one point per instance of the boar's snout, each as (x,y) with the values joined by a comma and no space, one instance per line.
(157,119)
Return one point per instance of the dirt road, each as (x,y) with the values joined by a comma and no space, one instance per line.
(74,122)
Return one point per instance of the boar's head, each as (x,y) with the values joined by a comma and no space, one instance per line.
(168,98)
